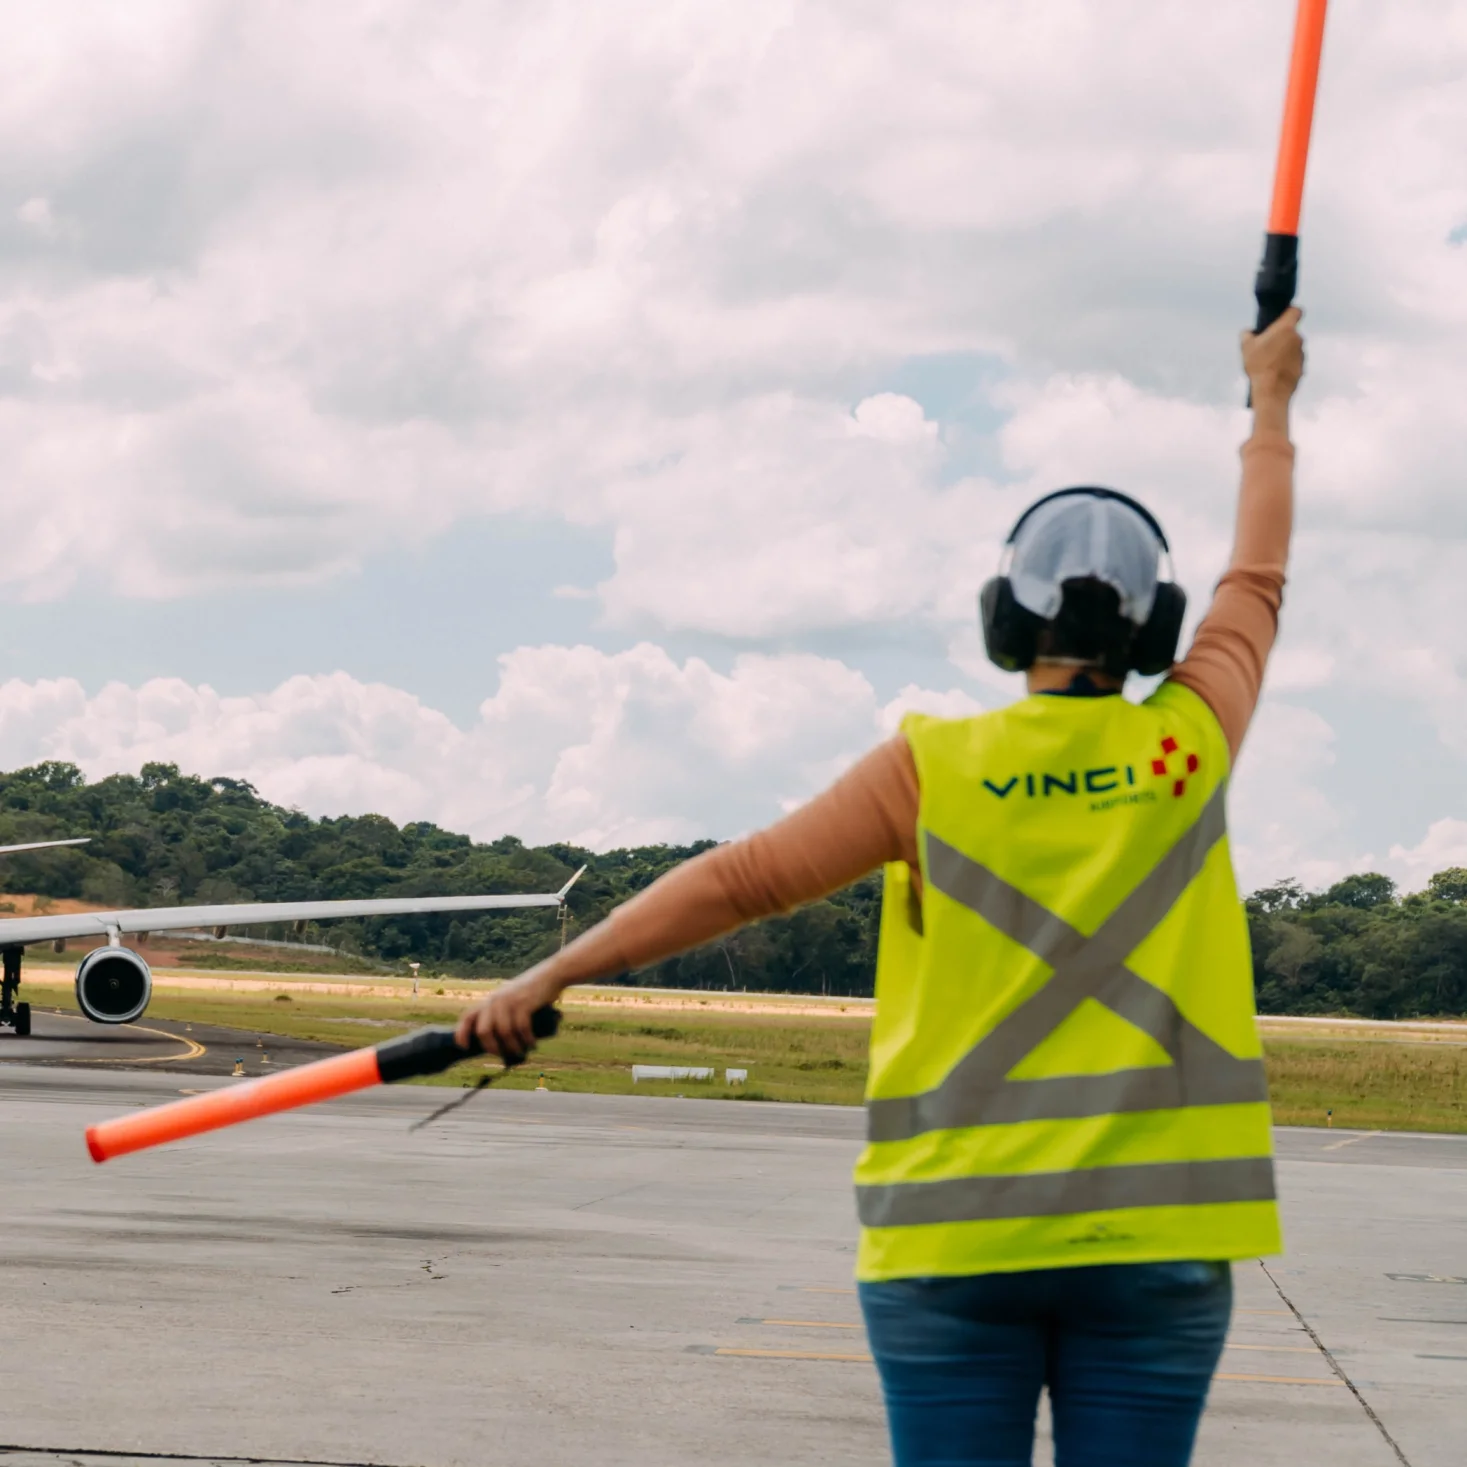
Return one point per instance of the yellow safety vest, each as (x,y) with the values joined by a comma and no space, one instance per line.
(1065,1067)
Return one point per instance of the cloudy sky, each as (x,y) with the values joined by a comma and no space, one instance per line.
(593,421)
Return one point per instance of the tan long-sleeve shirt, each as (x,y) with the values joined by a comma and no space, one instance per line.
(869,815)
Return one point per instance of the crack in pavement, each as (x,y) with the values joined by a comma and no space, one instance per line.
(1335,1365)
(90,1456)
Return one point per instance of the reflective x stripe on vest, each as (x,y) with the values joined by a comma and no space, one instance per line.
(976,1091)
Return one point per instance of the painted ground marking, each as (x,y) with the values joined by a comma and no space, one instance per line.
(1304,1380)
(801,1323)
(1350,1140)
(192,1049)
(791,1355)
(1275,1349)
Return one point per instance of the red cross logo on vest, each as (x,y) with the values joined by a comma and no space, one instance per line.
(1163,769)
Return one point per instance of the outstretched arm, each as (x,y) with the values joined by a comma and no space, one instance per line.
(1225,664)
(866,818)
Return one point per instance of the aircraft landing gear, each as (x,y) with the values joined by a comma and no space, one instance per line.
(14,1015)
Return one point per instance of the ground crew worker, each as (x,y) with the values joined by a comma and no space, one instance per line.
(1068,1127)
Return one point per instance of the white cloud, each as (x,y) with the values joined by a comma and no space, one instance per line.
(954,703)
(1443,846)
(314,287)
(623,749)
(779,515)
(1298,668)
(37,214)
(574,745)
(283,288)
(1283,824)
(891,418)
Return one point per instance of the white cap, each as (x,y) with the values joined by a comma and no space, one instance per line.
(1085,537)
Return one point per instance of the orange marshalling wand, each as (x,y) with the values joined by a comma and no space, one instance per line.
(1278,275)
(424,1052)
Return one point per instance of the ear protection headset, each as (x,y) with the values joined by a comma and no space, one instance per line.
(1011,631)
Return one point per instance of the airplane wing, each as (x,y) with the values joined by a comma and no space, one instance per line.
(44,845)
(16,931)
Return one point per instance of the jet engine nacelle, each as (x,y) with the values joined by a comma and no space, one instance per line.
(113,985)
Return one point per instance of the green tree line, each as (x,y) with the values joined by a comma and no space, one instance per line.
(1360,948)
(163,838)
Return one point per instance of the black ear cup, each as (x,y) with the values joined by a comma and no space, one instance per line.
(1010,631)
(1154,649)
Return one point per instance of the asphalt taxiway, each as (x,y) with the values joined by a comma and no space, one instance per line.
(574,1279)
(175,1047)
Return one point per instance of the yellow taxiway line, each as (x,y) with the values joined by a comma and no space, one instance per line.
(1275,1349)
(193,1049)
(1349,1140)
(1308,1380)
(805,1323)
(791,1355)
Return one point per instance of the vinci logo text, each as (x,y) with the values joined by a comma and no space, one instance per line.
(1172,765)
(1076,782)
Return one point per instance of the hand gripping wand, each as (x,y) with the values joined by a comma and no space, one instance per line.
(1278,275)
(423,1052)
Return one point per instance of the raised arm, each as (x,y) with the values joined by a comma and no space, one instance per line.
(866,818)
(1225,664)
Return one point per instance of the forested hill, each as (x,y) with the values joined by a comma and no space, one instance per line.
(1360,948)
(162,838)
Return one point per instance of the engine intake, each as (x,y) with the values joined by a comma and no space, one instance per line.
(113,985)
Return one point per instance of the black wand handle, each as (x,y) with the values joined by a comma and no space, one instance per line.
(1277,278)
(432,1050)
(1276,281)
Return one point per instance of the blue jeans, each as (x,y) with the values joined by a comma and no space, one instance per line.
(1126,1350)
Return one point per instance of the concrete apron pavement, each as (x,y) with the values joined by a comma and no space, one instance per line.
(604,1280)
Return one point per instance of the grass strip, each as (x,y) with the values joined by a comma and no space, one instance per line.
(1369,1084)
